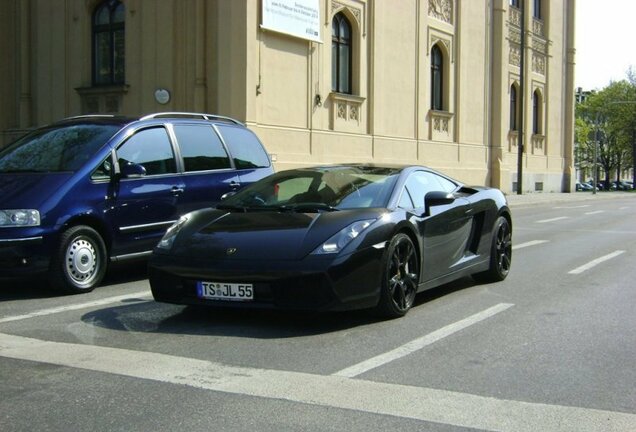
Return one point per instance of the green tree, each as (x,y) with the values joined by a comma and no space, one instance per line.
(608,116)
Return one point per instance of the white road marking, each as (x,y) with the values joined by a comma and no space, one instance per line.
(553,219)
(596,262)
(624,208)
(595,212)
(573,207)
(421,342)
(141,296)
(528,244)
(423,404)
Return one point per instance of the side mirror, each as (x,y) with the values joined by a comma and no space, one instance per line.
(132,170)
(437,198)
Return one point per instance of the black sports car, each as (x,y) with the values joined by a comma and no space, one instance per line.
(334,238)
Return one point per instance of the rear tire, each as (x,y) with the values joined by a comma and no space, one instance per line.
(400,278)
(500,253)
(79,264)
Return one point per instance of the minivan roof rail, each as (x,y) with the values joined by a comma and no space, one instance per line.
(191,115)
(90,116)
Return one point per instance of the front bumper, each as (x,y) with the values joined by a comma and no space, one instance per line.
(23,256)
(315,283)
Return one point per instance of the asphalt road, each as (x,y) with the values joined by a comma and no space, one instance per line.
(552,348)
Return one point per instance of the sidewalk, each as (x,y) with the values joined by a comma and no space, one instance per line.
(529,199)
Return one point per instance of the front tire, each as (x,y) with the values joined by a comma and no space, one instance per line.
(80,262)
(500,253)
(400,277)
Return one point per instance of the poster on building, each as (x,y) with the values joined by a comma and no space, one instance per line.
(298,18)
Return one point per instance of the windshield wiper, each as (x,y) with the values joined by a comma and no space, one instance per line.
(307,207)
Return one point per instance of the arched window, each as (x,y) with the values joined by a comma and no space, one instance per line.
(437,79)
(536,113)
(514,112)
(341,53)
(109,43)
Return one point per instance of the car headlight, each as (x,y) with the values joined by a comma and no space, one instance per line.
(341,239)
(19,218)
(168,238)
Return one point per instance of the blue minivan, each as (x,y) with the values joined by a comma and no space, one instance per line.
(90,190)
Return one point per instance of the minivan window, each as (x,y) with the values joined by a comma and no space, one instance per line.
(150,148)
(201,148)
(245,148)
(62,148)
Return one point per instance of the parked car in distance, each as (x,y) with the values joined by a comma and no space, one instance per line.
(90,190)
(584,187)
(621,185)
(335,238)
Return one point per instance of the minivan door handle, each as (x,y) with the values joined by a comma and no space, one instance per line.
(176,190)
(234,185)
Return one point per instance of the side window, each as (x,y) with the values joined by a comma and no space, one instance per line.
(405,200)
(445,184)
(103,171)
(245,148)
(419,184)
(201,148)
(150,148)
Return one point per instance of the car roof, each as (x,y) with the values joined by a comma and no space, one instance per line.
(124,120)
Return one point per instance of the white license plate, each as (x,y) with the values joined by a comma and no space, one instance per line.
(225,291)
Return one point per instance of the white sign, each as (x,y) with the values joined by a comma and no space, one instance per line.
(299,18)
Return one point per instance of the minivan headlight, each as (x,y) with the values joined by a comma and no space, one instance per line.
(341,239)
(168,238)
(19,218)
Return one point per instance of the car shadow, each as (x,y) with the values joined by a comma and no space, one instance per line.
(153,317)
(34,288)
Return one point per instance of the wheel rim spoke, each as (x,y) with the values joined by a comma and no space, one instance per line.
(404,277)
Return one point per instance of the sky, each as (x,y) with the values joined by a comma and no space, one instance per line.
(605,41)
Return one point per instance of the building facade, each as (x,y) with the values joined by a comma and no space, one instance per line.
(436,82)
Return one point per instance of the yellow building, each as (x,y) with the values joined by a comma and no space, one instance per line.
(435,82)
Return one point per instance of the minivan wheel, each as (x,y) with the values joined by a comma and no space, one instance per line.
(80,263)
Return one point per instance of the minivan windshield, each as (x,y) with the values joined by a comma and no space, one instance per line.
(55,149)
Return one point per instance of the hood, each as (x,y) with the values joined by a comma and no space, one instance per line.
(260,235)
(29,191)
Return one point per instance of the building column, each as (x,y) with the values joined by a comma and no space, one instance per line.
(499,172)
(568,135)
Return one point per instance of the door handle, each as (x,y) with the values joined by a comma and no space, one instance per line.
(176,190)
(234,185)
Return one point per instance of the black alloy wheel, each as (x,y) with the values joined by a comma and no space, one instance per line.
(400,277)
(500,254)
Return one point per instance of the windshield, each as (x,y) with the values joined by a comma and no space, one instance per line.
(55,149)
(321,189)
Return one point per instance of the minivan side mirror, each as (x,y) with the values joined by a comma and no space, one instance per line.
(437,198)
(132,170)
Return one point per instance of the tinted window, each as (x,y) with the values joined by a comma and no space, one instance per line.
(445,184)
(201,148)
(244,147)
(64,148)
(419,184)
(343,188)
(150,148)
